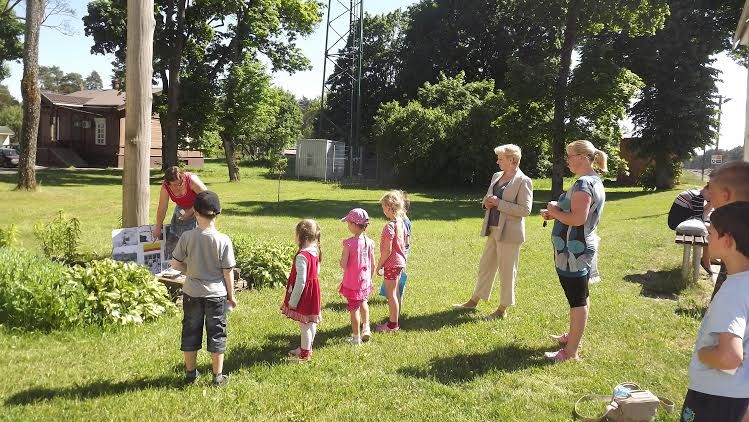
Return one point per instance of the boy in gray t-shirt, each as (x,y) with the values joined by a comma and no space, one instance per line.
(207,258)
(718,378)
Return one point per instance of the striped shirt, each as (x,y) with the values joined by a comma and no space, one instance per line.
(692,200)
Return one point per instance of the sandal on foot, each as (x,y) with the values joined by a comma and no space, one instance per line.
(464,306)
(561,339)
(559,356)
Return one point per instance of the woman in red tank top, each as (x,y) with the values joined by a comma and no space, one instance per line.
(181,187)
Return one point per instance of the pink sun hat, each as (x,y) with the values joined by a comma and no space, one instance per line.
(357,216)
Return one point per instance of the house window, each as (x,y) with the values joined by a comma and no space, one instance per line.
(310,160)
(101,131)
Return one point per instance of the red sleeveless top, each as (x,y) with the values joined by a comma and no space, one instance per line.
(188,198)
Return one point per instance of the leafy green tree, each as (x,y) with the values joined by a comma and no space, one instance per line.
(50,78)
(12,116)
(93,81)
(446,136)
(600,94)
(582,19)
(211,34)
(71,82)
(244,109)
(11,30)
(6,98)
(677,109)
(381,63)
(310,113)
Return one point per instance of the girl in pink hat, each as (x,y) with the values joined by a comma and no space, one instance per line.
(357,261)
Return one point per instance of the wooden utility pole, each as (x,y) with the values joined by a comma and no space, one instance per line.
(31,96)
(138,102)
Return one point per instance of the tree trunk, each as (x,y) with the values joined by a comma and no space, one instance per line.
(139,70)
(664,177)
(231,159)
(31,96)
(558,132)
(175,84)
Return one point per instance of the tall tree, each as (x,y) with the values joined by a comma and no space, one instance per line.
(50,78)
(139,67)
(381,64)
(71,82)
(210,32)
(11,30)
(12,116)
(677,109)
(31,95)
(93,81)
(584,18)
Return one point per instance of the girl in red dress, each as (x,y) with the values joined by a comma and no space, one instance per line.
(302,300)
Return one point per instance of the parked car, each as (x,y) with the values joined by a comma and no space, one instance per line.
(8,157)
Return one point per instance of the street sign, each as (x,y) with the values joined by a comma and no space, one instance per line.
(716,159)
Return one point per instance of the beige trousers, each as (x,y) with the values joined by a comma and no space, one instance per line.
(499,257)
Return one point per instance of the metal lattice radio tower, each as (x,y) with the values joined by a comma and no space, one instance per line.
(343,39)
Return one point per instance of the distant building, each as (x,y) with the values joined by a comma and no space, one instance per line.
(6,135)
(87,129)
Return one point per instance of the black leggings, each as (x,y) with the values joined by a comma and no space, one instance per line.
(576,289)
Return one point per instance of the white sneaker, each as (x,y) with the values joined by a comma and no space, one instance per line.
(596,279)
(354,340)
(366,333)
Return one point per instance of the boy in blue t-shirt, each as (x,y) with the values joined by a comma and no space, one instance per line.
(718,379)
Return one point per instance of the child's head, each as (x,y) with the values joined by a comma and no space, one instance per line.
(392,204)
(406,201)
(207,204)
(729,183)
(357,220)
(307,231)
(729,230)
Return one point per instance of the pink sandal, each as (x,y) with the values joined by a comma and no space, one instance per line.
(560,355)
(561,339)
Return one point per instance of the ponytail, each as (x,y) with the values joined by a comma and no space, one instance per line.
(600,159)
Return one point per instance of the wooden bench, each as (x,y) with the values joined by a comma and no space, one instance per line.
(692,255)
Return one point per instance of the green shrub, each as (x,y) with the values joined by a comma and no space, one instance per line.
(59,238)
(120,293)
(262,263)
(9,236)
(36,293)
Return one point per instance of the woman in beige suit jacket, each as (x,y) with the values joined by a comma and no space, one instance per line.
(507,202)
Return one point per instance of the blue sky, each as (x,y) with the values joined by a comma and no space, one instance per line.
(72,54)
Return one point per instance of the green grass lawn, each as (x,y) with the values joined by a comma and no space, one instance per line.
(443,365)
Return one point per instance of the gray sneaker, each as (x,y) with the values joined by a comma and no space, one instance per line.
(220,380)
(191,376)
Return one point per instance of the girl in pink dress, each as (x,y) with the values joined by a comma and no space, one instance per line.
(302,300)
(392,256)
(357,261)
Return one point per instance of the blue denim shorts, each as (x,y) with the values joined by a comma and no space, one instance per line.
(200,311)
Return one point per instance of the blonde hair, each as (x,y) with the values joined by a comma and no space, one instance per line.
(394,201)
(511,151)
(406,201)
(586,148)
(307,231)
(733,176)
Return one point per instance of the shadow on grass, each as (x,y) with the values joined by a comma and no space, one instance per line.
(80,177)
(663,284)
(336,306)
(464,368)
(433,322)
(329,208)
(92,390)
(276,348)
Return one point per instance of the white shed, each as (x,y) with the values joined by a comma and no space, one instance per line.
(320,159)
